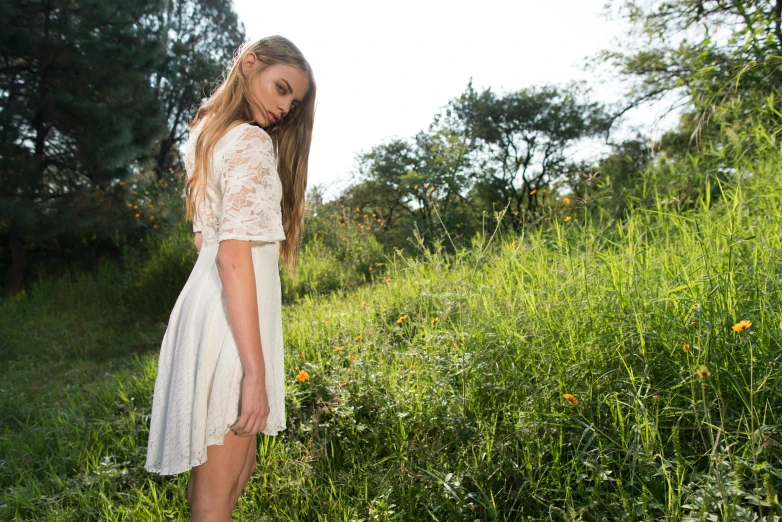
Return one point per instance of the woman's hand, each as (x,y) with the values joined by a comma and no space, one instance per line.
(254,405)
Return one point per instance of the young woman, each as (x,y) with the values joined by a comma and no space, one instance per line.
(220,374)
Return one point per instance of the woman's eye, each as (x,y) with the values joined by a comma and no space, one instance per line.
(280,88)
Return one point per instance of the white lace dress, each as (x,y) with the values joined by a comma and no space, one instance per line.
(198,386)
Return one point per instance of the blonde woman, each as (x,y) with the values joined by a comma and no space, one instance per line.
(220,373)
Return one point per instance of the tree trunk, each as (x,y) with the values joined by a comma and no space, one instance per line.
(18,264)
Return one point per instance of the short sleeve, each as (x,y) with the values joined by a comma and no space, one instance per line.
(251,188)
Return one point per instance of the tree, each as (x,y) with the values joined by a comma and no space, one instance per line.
(76,113)
(201,37)
(523,141)
(416,182)
(700,48)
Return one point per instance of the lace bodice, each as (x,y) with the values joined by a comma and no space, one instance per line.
(244,192)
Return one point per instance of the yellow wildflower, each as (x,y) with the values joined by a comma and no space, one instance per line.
(566,200)
(703,372)
(337,349)
(302,376)
(532,192)
(742,325)
(435,320)
(363,303)
(357,338)
(401,319)
(567,218)
(570,398)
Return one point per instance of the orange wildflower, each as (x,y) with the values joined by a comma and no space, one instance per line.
(336,349)
(570,398)
(302,376)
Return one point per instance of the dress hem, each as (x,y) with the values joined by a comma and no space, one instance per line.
(201,459)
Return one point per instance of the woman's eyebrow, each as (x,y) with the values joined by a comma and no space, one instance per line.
(289,87)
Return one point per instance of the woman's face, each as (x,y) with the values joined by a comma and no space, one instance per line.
(275,91)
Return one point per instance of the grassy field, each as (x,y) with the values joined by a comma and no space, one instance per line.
(590,370)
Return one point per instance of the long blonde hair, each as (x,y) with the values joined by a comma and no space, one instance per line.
(228,105)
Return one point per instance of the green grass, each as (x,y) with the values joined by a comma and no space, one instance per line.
(446,399)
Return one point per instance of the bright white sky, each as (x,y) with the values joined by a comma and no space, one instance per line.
(383,69)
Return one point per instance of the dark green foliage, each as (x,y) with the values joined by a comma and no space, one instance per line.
(76,114)
(91,94)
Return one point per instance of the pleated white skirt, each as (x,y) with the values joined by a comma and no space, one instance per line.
(198,384)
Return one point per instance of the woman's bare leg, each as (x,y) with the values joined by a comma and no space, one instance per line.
(250,464)
(213,484)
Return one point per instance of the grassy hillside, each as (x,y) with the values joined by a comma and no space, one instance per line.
(587,371)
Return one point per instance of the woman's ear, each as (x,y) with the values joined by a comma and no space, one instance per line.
(249,61)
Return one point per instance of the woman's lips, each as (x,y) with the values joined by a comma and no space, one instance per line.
(272,117)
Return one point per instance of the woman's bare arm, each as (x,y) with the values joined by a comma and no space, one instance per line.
(198,239)
(235,268)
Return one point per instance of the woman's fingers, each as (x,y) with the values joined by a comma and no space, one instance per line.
(241,426)
(255,425)
(249,424)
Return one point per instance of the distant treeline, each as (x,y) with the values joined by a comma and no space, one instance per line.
(95,100)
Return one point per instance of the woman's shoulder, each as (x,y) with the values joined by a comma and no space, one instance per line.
(246,138)
(247,132)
